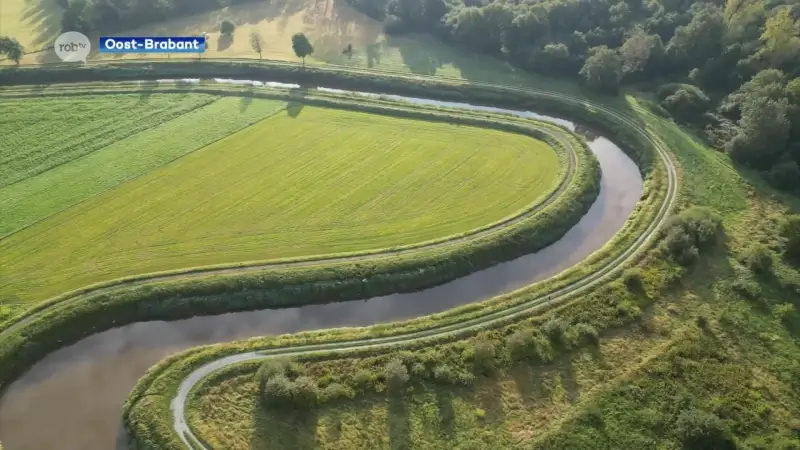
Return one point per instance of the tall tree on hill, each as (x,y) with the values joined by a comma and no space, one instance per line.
(257,43)
(11,48)
(302,46)
(603,70)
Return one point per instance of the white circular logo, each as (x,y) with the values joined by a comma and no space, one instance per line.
(73,46)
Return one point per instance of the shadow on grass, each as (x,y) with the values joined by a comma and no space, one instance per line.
(146,89)
(399,425)
(295,430)
(295,104)
(224,41)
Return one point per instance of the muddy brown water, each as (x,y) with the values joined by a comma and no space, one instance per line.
(72,399)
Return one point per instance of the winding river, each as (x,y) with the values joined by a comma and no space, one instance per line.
(71,400)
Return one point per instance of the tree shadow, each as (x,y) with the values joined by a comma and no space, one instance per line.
(420,60)
(489,395)
(373,53)
(246,99)
(399,423)
(528,380)
(295,104)
(447,415)
(224,42)
(146,89)
(296,430)
(44,18)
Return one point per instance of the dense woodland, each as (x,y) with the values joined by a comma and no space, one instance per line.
(729,70)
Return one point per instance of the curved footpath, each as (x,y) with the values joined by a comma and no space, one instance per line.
(613,267)
(563,138)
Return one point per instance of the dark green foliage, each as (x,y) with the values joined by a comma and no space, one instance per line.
(603,70)
(443,373)
(282,384)
(785,175)
(363,379)
(790,229)
(302,46)
(700,430)
(690,231)
(227,27)
(278,392)
(555,330)
(11,48)
(586,334)
(396,375)
(632,278)
(305,392)
(687,104)
(758,258)
(483,356)
(335,391)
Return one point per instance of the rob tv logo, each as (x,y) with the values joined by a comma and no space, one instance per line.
(72,47)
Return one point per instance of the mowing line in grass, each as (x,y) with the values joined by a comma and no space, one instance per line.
(40,134)
(36,198)
(326,181)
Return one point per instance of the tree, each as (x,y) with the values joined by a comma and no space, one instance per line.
(227,27)
(763,133)
(700,430)
(257,43)
(641,52)
(11,47)
(781,38)
(305,392)
(278,391)
(758,258)
(302,46)
(484,356)
(603,70)
(396,375)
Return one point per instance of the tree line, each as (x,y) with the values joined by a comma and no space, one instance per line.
(728,67)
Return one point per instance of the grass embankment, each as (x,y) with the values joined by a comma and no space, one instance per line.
(147,411)
(343,281)
(308,182)
(703,355)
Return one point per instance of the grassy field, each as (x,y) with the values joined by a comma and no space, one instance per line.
(42,133)
(307,182)
(693,345)
(106,146)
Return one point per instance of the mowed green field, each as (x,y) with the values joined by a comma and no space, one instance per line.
(318,181)
(104,146)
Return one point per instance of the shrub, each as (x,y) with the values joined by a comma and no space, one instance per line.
(521,344)
(555,329)
(305,392)
(443,373)
(396,375)
(335,391)
(758,258)
(278,391)
(686,233)
(484,356)
(747,288)
(419,370)
(783,312)
(702,322)
(687,104)
(227,27)
(698,430)
(586,334)
(632,277)
(363,379)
